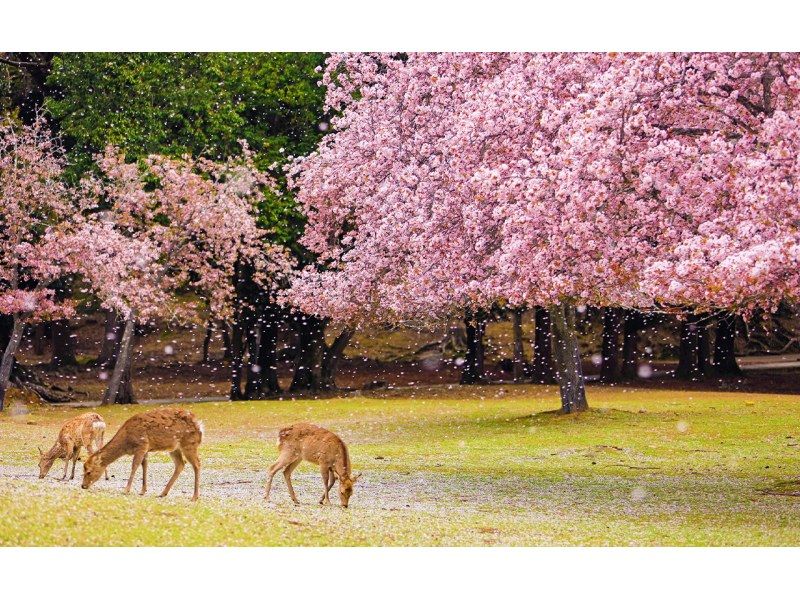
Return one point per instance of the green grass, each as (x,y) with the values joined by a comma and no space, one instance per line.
(489,465)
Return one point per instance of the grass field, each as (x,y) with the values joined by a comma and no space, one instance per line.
(489,465)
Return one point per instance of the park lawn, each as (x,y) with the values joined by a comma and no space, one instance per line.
(445,465)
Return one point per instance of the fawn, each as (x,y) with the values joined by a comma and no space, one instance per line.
(317,445)
(82,431)
(167,429)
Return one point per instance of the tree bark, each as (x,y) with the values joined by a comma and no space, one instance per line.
(519,351)
(39,332)
(268,354)
(120,388)
(111,339)
(687,350)
(207,340)
(237,360)
(331,358)
(63,342)
(311,343)
(704,366)
(542,370)
(630,345)
(226,342)
(475,326)
(568,359)
(7,362)
(724,347)
(609,369)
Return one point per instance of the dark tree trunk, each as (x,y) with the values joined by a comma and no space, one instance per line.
(237,360)
(568,359)
(519,352)
(687,350)
(332,357)
(207,340)
(111,339)
(724,347)
(310,346)
(542,370)
(63,342)
(14,337)
(630,345)
(609,369)
(473,371)
(226,342)
(268,354)
(704,366)
(120,388)
(252,385)
(39,338)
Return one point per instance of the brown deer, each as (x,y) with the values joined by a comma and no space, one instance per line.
(316,445)
(82,431)
(167,429)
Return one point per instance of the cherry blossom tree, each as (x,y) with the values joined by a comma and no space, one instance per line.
(181,225)
(643,181)
(37,215)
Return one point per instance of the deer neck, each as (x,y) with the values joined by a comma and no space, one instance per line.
(342,464)
(55,452)
(113,450)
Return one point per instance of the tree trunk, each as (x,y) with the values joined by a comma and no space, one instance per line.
(253,381)
(630,345)
(111,339)
(687,350)
(519,351)
(704,367)
(63,342)
(473,371)
(724,347)
(226,342)
(268,355)
(207,340)
(609,369)
(120,389)
(7,362)
(567,359)
(542,371)
(311,342)
(332,357)
(39,332)
(237,360)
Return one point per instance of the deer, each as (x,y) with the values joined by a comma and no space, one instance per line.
(170,429)
(84,430)
(316,445)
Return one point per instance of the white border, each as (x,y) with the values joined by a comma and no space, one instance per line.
(328,25)
(375,573)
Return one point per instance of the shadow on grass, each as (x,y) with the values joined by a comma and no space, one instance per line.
(784,488)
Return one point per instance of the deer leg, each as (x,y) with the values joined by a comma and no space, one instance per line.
(75,453)
(287,474)
(67,457)
(194,461)
(177,458)
(283,460)
(325,473)
(144,475)
(138,457)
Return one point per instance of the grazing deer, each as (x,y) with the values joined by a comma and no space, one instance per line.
(82,431)
(167,429)
(317,445)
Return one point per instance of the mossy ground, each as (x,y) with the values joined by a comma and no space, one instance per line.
(489,465)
